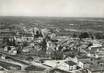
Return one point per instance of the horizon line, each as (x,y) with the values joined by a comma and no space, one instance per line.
(53,16)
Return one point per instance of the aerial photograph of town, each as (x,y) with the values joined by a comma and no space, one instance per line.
(63,36)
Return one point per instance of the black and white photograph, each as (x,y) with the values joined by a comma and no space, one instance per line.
(51,36)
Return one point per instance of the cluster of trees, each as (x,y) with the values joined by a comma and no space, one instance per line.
(91,35)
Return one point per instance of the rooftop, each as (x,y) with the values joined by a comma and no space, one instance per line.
(70,63)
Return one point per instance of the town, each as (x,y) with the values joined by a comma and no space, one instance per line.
(46,50)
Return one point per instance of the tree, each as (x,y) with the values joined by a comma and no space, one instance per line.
(84,35)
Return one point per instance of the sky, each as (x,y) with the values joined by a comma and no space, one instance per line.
(58,8)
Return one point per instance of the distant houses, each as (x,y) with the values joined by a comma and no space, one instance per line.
(7,33)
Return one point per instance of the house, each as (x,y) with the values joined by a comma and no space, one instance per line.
(74,59)
(85,63)
(58,71)
(50,48)
(7,34)
(27,37)
(96,52)
(45,32)
(61,64)
(72,65)
(10,50)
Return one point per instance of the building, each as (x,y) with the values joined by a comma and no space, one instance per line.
(61,64)
(72,65)
(27,37)
(85,63)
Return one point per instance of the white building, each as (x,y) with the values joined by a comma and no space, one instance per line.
(61,64)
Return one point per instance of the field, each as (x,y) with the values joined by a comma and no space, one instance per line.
(94,24)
